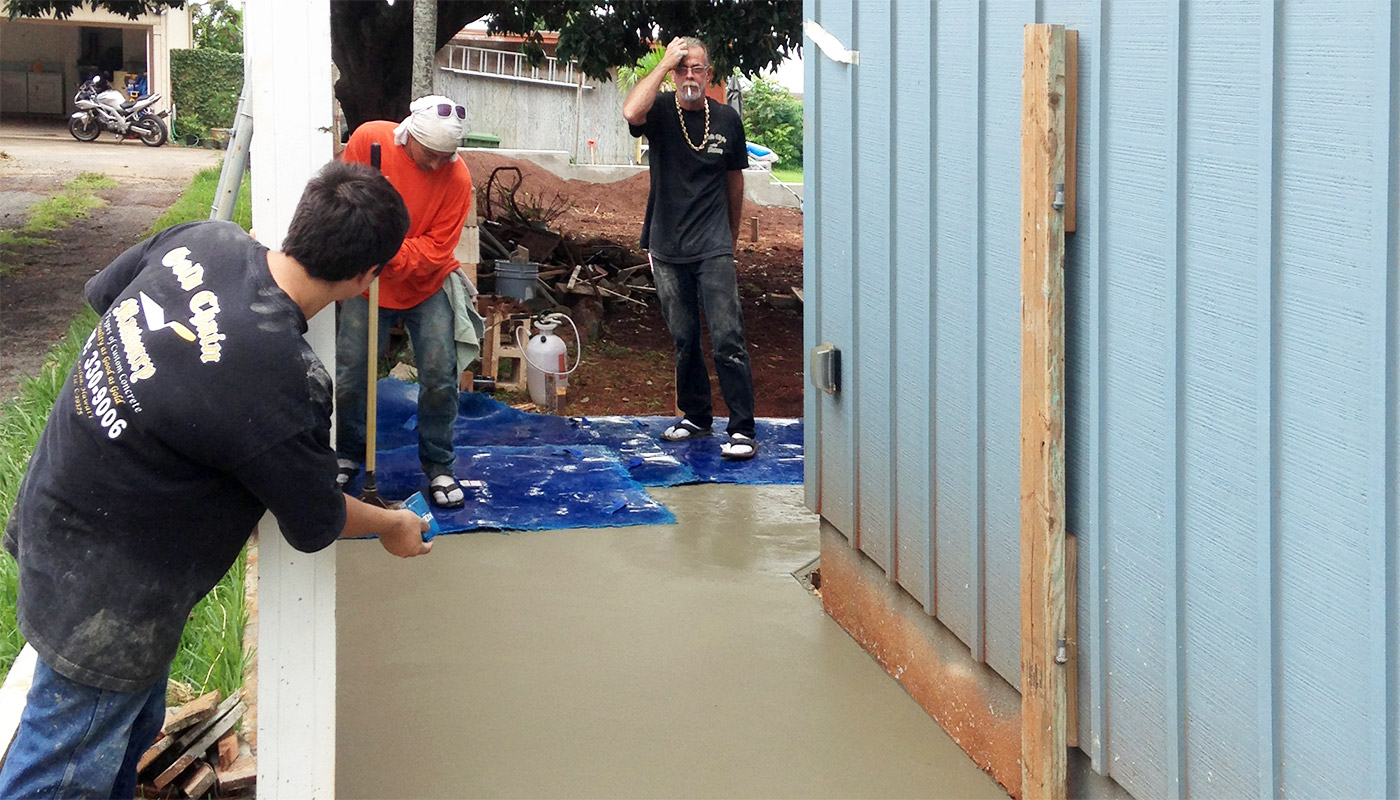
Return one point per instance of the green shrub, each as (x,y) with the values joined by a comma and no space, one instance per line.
(773,118)
(204,85)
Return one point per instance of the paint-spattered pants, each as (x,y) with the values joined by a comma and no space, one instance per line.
(682,290)
(75,740)
(430,330)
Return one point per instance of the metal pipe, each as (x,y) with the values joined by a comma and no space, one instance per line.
(235,162)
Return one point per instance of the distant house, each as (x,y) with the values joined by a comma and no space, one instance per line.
(43,60)
(549,107)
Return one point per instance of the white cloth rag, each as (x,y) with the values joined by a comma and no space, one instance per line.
(468,326)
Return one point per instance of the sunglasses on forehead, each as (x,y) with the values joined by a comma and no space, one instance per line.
(445,110)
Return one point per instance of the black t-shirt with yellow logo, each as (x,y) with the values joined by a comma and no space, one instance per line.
(194,406)
(688,206)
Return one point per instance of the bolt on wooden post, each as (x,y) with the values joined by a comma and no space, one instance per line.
(1043,202)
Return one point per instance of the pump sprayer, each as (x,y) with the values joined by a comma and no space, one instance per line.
(546,354)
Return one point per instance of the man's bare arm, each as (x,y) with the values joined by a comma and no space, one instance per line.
(736,203)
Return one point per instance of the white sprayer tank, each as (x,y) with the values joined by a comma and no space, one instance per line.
(545,353)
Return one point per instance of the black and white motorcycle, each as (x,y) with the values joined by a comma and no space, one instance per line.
(106,109)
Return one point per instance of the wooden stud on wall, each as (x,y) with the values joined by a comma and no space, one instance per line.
(1071,129)
(1044,649)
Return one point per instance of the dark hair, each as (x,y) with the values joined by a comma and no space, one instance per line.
(350,219)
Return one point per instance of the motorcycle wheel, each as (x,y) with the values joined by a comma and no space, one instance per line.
(151,130)
(84,130)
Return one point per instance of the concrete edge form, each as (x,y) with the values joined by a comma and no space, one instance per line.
(978,709)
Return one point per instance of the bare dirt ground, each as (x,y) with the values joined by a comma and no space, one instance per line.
(38,302)
(630,370)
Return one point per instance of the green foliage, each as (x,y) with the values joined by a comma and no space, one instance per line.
(749,35)
(627,77)
(204,85)
(76,201)
(211,654)
(773,118)
(370,41)
(63,9)
(218,25)
(211,648)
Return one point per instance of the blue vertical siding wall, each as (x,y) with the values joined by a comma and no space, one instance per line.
(1233,328)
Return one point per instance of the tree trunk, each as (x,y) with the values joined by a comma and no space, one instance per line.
(424,46)
(372,45)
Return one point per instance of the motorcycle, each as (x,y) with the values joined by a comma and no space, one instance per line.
(102,108)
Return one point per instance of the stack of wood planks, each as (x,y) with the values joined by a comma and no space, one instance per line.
(568,269)
(199,752)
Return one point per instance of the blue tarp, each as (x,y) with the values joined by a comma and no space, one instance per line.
(483,421)
(527,488)
(542,471)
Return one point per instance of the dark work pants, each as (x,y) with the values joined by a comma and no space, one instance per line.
(682,290)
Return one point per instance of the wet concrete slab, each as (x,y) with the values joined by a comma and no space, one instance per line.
(668,661)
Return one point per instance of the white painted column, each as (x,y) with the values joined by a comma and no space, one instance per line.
(288,70)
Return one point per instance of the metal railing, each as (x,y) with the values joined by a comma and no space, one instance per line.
(511,66)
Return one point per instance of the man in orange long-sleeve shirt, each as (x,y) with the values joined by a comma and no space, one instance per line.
(419,157)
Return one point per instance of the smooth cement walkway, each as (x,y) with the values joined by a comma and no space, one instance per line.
(647,662)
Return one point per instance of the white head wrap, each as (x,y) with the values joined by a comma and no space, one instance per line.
(431,129)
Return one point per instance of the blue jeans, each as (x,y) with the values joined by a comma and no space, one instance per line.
(682,290)
(430,329)
(78,741)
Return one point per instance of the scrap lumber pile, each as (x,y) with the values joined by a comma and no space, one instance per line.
(199,752)
(515,227)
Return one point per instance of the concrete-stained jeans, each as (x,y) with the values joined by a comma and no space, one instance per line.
(683,289)
(430,330)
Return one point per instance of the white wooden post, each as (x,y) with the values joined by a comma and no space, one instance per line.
(288,67)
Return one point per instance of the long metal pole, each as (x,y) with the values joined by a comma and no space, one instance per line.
(235,162)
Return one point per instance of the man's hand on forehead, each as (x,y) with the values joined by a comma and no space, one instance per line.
(675,53)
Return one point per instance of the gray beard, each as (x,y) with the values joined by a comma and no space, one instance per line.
(690,92)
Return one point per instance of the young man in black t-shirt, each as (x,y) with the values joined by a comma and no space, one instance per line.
(697,153)
(195,406)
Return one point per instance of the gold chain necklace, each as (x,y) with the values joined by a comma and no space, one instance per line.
(681,116)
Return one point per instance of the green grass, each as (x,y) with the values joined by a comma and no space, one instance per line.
(195,203)
(211,648)
(54,213)
(92,180)
(788,175)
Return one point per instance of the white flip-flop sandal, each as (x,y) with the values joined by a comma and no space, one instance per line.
(446,492)
(684,430)
(738,448)
(346,470)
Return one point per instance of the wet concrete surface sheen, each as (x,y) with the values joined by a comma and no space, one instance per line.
(668,661)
